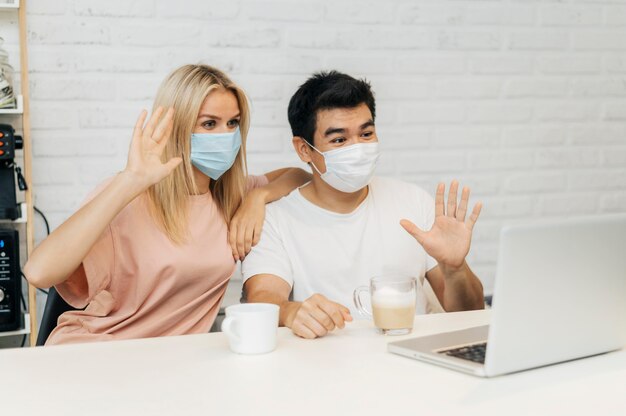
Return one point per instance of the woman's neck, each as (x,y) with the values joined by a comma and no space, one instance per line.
(202,181)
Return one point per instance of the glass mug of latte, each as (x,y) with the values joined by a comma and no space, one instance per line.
(393,301)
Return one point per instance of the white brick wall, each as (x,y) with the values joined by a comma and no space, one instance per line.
(523,101)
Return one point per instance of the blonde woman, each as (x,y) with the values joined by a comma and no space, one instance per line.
(149,253)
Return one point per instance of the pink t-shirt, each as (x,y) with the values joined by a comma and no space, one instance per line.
(136,283)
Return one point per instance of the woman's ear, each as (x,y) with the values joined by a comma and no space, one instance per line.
(302,148)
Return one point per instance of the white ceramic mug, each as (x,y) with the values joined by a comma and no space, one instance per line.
(251,327)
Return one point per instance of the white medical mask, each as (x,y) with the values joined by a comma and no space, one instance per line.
(351,168)
(214,153)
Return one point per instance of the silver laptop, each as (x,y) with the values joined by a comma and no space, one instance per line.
(559,295)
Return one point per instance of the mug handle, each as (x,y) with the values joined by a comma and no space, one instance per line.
(357,300)
(228,326)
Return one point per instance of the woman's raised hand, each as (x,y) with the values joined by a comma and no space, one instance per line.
(149,141)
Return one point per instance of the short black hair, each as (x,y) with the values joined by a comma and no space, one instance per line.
(323,91)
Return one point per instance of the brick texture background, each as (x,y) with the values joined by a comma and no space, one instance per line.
(524,101)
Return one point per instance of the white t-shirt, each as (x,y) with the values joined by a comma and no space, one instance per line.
(319,251)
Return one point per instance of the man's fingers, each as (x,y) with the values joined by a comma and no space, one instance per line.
(310,322)
(333,311)
(312,307)
(452,194)
(439,199)
(302,331)
(322,317)
(414,230)
(347,316)
(471,221)
(462,210)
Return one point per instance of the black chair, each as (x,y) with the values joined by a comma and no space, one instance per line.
(488,300)
(55,306)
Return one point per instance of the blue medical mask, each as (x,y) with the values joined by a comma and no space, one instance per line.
(214,153)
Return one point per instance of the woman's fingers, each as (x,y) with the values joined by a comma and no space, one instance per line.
(135,143)
(232,237)
(139,124)
(167,135)
(258,228)
(241,238)
(173,163)
(153,122)
(249,234)
(163,126)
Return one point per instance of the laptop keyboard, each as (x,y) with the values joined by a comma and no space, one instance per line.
(475,352)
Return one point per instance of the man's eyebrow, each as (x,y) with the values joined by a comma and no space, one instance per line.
(367,124)
(332,130)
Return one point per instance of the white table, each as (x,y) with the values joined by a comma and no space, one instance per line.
(348,373)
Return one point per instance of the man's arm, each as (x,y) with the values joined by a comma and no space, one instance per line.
(313,318)
(448,242)
(458,289)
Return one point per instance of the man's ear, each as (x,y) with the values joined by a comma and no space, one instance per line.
(302,148)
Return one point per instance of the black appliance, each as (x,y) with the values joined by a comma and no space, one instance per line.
(9,142)
(11,317)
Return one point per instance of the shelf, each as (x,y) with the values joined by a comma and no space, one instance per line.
(21,103)
(15,4)
(24,331)
(22,220)
(18,110)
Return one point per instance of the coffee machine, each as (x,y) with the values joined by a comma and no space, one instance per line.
(9,142)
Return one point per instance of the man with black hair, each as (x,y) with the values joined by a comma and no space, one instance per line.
(345,226)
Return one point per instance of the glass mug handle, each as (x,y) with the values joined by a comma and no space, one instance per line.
(357,300)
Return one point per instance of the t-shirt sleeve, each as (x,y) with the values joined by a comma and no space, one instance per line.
(428,221)
(95,271)
(269,255)
(256,181)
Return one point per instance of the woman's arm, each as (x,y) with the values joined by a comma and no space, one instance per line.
(246,226)
(281,183)
(63,251)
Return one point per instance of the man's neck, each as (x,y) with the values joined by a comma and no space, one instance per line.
(325,196)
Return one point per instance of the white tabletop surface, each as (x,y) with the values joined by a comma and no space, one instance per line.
(349,372)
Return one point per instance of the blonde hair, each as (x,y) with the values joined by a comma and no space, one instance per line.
(185,89)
